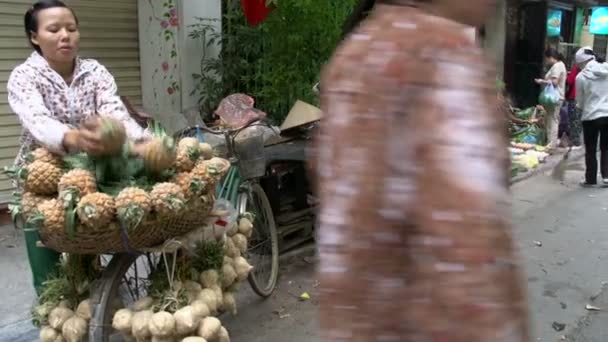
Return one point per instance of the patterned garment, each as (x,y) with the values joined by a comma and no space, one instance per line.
(415,232)
(48,107)
(575,123)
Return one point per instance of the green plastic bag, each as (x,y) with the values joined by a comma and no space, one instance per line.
(550,96)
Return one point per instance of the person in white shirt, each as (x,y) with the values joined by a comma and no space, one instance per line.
(592,100)
(556,75)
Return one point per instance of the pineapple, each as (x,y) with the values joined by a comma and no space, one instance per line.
(24,205)
(189,144)
(167,199)
(189,184)
(82,181)
(187,154)
(44,155)
(132,206)
(200,170)
(96,210)
(113,135)
(29,202)
(206,150)
(211,171)
(159,154)
(51,215)
(41,178)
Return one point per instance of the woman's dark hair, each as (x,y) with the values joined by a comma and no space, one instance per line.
(553,53)
(31,18)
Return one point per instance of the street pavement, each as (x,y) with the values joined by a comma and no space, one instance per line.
(560,230)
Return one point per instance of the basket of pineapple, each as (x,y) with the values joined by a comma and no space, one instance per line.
(124,201)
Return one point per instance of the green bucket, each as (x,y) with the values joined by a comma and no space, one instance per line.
(43,261)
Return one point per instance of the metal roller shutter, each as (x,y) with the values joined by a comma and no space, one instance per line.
(109,33)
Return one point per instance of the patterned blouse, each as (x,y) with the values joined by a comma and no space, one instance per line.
(415,237)
(48,107)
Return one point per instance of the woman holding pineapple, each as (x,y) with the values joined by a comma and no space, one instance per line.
(58,98)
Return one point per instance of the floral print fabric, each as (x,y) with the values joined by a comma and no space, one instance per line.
(47,106)
(415,238)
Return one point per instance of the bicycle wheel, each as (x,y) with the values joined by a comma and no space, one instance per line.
(263,251)
(123,282)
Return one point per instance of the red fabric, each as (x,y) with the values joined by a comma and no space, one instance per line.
(571,83)
(255,11)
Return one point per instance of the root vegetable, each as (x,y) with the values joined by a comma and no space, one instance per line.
(240,241)
(219,294)
(163,339)
(242,268)
(206,150)
(210,278)
(209,328)
(229,303)
(143,304)
(139,325)
(208,297)
(194,339)
(186,321)
(233,229)
(122,320)
(200,309)
(84,310)
(192,289)
(162,324)
(223,335)
(228,260)
(48,334)
(74,329)
(58,316)
(231,249)
(245,227)
(228,275)
(190,285)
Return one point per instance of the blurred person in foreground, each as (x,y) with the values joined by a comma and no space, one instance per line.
(415,231)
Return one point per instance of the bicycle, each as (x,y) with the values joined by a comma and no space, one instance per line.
(241,188)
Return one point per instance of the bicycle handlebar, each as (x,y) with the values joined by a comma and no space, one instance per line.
(229,131)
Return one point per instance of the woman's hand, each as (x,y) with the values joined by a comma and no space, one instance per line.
(71,140)
(91,139)
(540,81)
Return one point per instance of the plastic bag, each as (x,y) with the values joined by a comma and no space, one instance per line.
(549,96)
(237,110)
(532,134)
(265,131)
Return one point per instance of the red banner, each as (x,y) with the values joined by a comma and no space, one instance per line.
(255,11)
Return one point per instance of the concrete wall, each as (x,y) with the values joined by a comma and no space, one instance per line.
(168,56)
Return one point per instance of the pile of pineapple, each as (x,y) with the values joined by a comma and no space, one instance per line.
(79,193)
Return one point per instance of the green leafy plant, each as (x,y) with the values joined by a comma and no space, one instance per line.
(276,62)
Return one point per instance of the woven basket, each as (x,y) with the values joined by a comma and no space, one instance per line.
(152,232)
